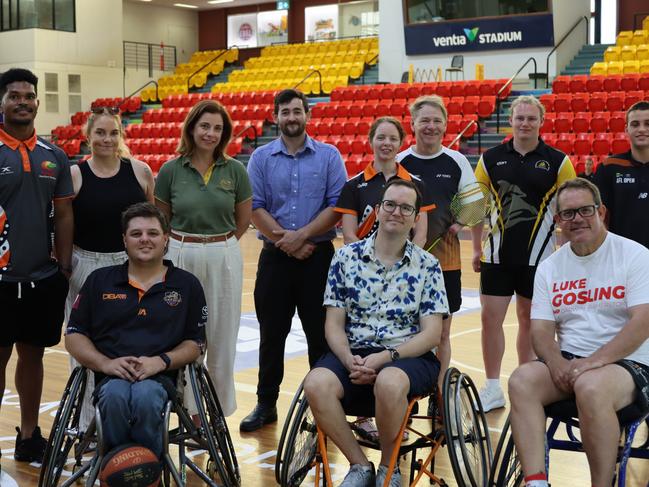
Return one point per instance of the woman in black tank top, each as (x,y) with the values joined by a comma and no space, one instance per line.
(104,186)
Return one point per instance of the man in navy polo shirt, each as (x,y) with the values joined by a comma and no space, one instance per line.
(134,324)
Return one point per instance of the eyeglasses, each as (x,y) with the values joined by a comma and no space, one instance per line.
(102,110)
(390,206)
(584,211)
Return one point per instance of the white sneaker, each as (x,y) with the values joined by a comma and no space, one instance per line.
(492,398)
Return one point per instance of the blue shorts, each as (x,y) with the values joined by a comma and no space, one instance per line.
(358,400)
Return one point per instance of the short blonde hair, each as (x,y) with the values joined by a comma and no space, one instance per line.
(122,148)
(430,100)
(528,100)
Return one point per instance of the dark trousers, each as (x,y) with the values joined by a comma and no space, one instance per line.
(284,284)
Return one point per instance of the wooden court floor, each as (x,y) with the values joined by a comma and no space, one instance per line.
(256,452)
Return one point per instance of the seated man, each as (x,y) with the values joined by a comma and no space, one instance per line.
(134,325)
(593,293)
(385,300)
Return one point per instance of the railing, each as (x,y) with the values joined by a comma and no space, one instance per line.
(322,40)
(144,55)
(315,71)
(139,89)
(509,82)
(246,129)
(547,60)
(468,126)
(425,75)
(208,63)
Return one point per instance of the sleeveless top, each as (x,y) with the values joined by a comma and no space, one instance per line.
(98,207)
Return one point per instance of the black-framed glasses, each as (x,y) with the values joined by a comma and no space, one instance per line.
(585,212)
(390,206)
(102,110)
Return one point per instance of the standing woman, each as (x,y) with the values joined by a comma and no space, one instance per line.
(104,186)
(208,199)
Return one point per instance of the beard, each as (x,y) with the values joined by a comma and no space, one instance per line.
(293,129)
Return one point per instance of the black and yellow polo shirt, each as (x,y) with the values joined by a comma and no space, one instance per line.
(123,320)
(624,185)
(362,193)
(522,222)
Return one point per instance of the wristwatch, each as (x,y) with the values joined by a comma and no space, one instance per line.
(165,358)
(394,354)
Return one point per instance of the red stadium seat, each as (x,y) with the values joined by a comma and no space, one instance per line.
(581,122)
(383,108)
(486,106)
(548,123)
(620,143)
(488,88)
(632,97)
(453,124)
(317,110)
(387,93)
(400,92)
(547,100)
(594,83)
(443,89)
(336,129)
(470,105)
(579,102)
(643,82)
(562,102)
(457,89)
(398,108)
(599,122)
(611,83)
(454,107)
(617,122)
(414,90)
(472,88)
(561,84)
(355,110)
(601,144)
(564,143)
(578,83)
(563,123)
(629,82)
(369,109)
(615,101)
(582,144)
(597,102)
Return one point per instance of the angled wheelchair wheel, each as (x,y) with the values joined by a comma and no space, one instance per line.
(298,443)
(506,469)
(65,430)
(466,430)
(218,443)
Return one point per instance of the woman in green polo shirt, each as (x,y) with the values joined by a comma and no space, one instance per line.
(208,199)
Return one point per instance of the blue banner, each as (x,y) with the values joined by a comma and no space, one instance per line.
(512,32)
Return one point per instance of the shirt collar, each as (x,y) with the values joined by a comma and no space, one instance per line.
(280,146)
(369,172)
(13,144)
(367,250)
(187,160)
(541,147)
(123,272)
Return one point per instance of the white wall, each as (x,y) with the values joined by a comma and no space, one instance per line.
(498,64)
(154,24)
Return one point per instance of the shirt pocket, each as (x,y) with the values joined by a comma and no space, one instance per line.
(314,184)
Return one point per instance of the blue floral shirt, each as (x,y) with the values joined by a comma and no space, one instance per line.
(383,306)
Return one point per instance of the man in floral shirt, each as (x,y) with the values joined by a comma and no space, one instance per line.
(385,301)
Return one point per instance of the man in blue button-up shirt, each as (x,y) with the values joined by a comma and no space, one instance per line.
(296,182)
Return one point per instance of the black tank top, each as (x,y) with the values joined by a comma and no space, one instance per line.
(98,207)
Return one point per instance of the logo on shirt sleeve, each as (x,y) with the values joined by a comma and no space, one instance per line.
(172,298)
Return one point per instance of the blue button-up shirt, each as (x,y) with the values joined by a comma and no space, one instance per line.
(294,189)
(384,306)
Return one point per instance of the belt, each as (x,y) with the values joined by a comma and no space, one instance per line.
(271,245)
(199,239)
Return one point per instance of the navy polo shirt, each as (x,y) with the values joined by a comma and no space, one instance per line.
(122,320)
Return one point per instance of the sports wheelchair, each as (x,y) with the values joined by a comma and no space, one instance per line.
(506,470)
(88,452)
(303,446)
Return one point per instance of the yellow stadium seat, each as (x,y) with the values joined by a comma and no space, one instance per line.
(356,70)
(631,67)
(612,53)
(642,52)
(627,53)
(599,68)
(640,37)
(644,66)
(645,23)
(624,38)
(615,67)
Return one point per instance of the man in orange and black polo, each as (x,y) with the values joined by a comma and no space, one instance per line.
(34,181)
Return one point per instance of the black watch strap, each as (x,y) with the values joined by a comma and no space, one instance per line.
(165,358)
(394,354)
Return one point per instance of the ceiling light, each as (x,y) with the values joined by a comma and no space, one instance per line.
(214,2)
(184,5)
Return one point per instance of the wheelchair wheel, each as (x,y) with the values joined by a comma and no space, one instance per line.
(65,429)
(466,430)
(298,443)
(506,470)
(217,436)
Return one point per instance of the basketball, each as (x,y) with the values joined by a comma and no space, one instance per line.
(130,466)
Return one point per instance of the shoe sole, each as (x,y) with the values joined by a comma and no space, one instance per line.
(250,429)
(497,406)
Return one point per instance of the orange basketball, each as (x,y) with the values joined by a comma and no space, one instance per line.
(130,466)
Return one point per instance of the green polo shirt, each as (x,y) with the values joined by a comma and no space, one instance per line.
(199,207)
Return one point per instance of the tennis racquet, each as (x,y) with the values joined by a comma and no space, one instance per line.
(470,206)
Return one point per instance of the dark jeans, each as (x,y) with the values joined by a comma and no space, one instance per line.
(284,284)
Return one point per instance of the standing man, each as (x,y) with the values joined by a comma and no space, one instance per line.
(588,170)
(593,295)
(524,175)
(296,182)
(623,180)
(33,286)
(444,171)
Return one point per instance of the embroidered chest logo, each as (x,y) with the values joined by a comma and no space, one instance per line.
(141,312)
(4,171)
(172,298)
(48,169)
(226,184)
(624,178)
(113,296)
(542,165)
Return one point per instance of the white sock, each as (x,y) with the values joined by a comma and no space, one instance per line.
(492,383)
(536,483)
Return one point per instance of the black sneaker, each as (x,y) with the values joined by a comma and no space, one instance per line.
(30,449)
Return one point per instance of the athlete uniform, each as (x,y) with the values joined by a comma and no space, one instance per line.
(33,173)
(362,193)
(624,185)
(443,173)
(521,224)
